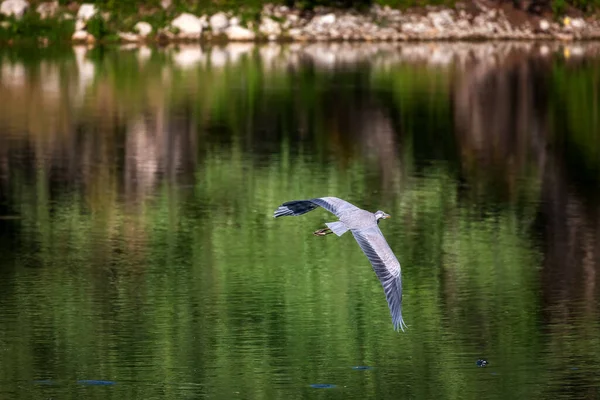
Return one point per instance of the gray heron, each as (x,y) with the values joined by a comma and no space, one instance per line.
(364,226)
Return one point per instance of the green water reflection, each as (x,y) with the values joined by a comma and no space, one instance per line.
(138,246)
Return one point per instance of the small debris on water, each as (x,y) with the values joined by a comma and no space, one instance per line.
(322,385)
(482,363)
(361,367)
(96,382)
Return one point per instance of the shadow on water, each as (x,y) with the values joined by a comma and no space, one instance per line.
(139,251)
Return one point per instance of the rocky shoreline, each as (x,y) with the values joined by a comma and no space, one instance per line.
(463,22)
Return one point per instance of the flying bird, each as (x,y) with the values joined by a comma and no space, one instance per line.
(364,226)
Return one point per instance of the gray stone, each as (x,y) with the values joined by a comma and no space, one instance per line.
(15,8)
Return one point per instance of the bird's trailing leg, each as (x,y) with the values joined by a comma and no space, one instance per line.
(322,232)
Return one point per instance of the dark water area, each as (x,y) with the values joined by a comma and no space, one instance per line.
(140,257)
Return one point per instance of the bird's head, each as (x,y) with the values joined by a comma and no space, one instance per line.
(381,215)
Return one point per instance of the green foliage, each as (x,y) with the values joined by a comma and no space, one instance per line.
(559,7)
(98,27)
(31,26)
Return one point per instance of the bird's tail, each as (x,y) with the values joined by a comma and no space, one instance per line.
(294,208)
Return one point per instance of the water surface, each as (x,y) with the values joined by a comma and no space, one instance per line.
(140,259)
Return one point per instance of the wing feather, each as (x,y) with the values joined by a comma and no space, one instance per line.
(386,267)
(334,205)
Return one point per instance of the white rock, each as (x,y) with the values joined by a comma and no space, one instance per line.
(79,25)
(47,9)
(218,22)
(80,35)
(189,26)
(463,24)
(414,28)
(269,27)
(295,32)
(129,37)
(204,22)
(544,25)
(441,20)
(235,21)
(14,8)
(5,24)
(128,46)
(67,16)
(166,4)
(143,28)
(577,23)
(326,19)
(86,11)
(238,33)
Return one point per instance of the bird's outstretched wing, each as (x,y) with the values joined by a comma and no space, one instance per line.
(298,207)
(386,267)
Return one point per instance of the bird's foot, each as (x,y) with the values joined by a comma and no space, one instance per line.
(322,232)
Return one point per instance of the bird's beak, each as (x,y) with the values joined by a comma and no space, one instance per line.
(387,216)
